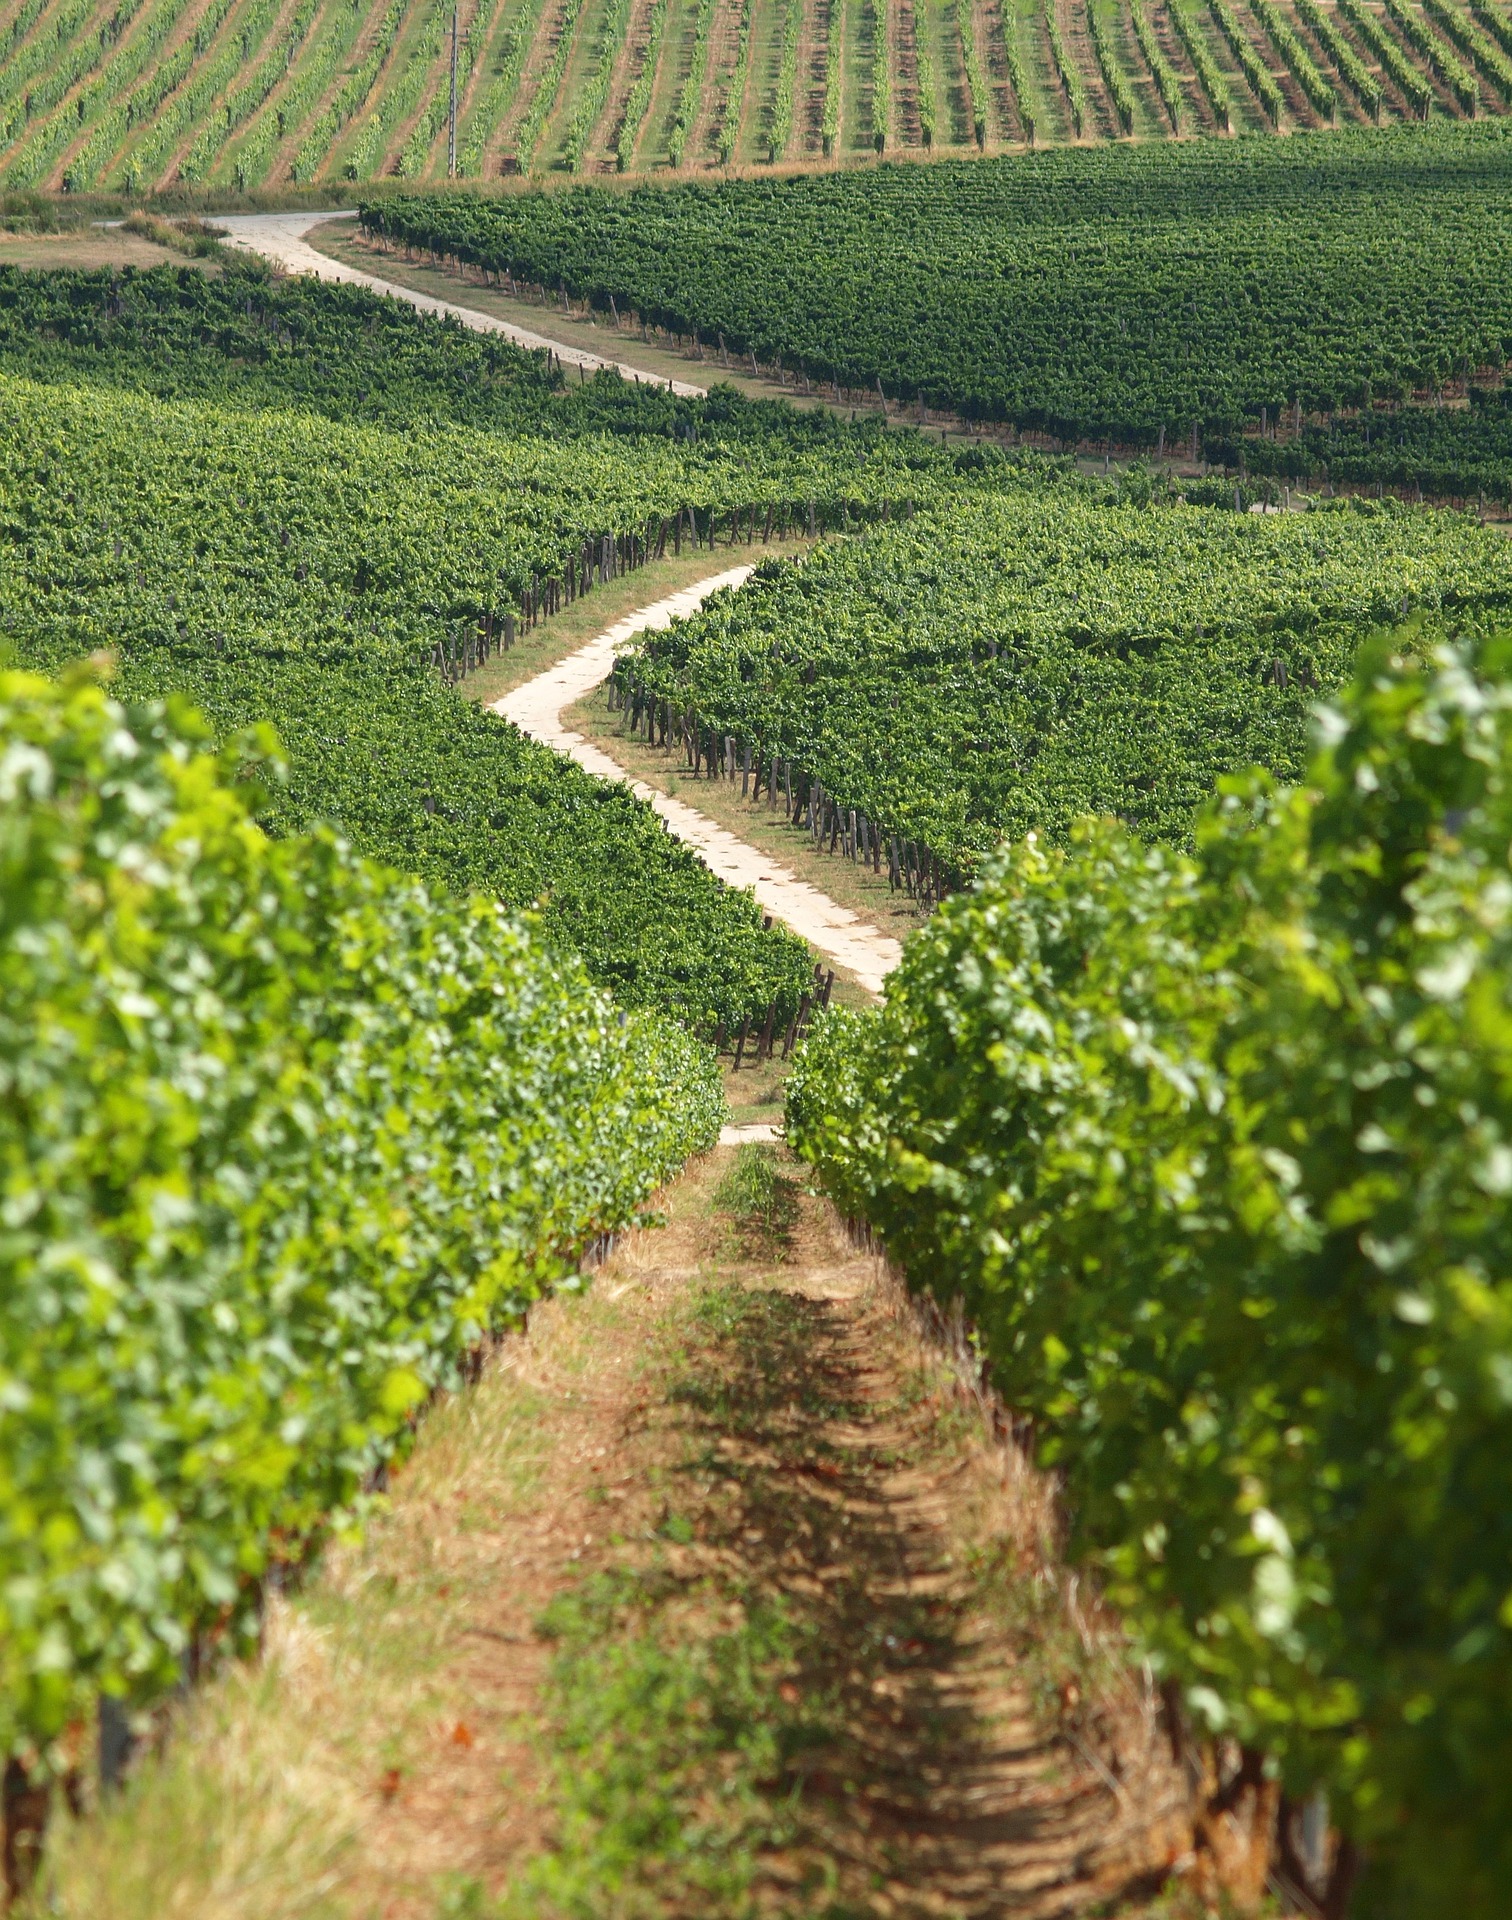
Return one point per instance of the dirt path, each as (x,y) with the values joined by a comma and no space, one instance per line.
(280,237)
(536,708)
(719,1592)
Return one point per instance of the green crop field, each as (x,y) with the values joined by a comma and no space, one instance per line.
(181,502)
(1154,815)
(248,94)
(1010,664)
(1331,306)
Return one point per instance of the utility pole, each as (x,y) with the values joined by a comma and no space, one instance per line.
(451,138)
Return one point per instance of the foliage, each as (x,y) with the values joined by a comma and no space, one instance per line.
(1090,294)
(278,566)
(149,96)
(1167,80)
(303,570)
(1004,664)
(248,338)
(532,123)
(285,1135)
(780,124)
(639,102)
(592,93)
(1298,61)
(973,74)
(1067,71)
(1361,82)
(1416,89)
(492,104)
(1120,93)
(1261,80)
(729,119)
(1189,31)
(691,91)
(881,74)
(1446,453)
(1215,1151)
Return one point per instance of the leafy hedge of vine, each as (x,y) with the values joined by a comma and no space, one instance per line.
(1216,1151)
(285,1137)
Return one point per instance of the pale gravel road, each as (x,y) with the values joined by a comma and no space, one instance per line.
(280,237)
(536,708)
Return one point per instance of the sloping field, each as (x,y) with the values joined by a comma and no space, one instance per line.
(135,95)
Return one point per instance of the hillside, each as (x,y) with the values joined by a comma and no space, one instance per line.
(1058,1470)
(252,94)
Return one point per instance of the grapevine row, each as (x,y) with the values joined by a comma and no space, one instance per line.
(1418,34)
(780,132)
(498,96)
(1212,1155)
(1214,86)
(1167,81)
(405,82)
(1415,90)
(1114,77)
(1308,276)
(1262,81)
(1023,99)
(294,94)
(829,125)
(1298,61)
(1361,82)
(414,156)
(639,102)
(973,73)
(1487,56)
(691,92)
(729,121)
(591,95)
(60,111)
(192,106)
(350,98)
(1060,633)
(924,74)
(296,1316)
(533,121)
(1067,71)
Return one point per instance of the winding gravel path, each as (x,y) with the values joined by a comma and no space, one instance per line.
(536,708)
(280,237)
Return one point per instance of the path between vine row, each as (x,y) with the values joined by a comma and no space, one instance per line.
(280,238)
(536,708)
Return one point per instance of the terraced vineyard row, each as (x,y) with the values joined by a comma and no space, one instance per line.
(253,93)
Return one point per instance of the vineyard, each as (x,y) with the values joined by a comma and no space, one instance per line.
(200,1367)
(242,95)
(1010,664)
(329,577)
(1161,1562)
(1240,301)
(1215,1152)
